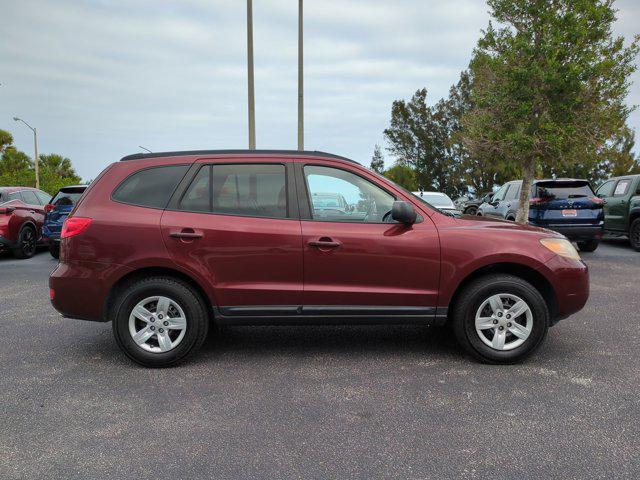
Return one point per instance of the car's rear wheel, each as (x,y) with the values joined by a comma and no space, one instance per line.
(54,249)
(500,319)
(634,234)
(588,246)
(471,211)
(159,321)
(27,243)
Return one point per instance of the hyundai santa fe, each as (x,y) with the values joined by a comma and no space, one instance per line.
(163,245)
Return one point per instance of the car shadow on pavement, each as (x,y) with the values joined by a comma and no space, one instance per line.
(339,340)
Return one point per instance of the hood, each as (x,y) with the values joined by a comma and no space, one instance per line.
(484,223)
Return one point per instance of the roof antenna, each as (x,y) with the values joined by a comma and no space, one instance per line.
(144,148)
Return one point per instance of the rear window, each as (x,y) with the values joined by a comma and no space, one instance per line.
(67,197)
(553,190)
(151,187)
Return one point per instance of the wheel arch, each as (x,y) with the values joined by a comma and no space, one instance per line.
(524,272)
(145,272)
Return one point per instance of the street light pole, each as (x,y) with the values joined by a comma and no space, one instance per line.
(35,147)
(251,94)
(300,80)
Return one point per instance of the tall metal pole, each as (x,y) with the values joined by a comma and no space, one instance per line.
(300,79)
(35,147)
(36,162)
(252,105)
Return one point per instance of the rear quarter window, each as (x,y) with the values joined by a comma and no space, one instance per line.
(151,187)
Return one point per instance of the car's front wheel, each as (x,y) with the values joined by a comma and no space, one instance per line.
(634,234)
(500,318)
(471,211)
(159,321)
(588,246)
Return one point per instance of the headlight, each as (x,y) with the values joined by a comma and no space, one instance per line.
(562,247)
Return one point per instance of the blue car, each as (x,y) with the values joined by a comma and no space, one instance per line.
(566,205)
(56,213)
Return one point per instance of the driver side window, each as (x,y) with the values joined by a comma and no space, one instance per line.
(339,196)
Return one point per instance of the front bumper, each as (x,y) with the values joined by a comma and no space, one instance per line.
(570,281)
(577,232)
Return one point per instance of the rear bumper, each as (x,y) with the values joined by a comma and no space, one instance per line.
(79,289)
(575,232)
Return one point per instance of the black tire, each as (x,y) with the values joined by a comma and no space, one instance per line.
(471,299)
(54,250)
(511,218)
(194,307)
(634,235)
(588,246)
(27,243)
(471,211)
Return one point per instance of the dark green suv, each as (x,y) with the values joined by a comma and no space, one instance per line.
(621,197)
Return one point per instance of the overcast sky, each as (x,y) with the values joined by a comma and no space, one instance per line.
(98,78)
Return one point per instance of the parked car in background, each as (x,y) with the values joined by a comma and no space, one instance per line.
(21,218)
(56,212)
(468,204)
(621,198)
(439,200)
(568,206)
(163,244)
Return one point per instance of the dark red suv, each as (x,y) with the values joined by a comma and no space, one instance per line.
(164,244)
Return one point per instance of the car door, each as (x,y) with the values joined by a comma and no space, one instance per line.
(619,205)
(355,262)
(509,206)
(234,224)
(605,192)
(494,208)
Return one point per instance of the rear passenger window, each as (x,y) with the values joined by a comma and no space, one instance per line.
(621,188)
(513,192)
(30,198)
(151,187)
(244,190)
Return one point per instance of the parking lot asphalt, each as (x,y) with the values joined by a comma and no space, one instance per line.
(321,402)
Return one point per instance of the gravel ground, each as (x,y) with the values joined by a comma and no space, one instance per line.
(321,402)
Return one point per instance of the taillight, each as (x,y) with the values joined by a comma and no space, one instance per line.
(597,200)
(48,207)
(535,201)
(74,226)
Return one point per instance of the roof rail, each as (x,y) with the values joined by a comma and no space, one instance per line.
(140,156)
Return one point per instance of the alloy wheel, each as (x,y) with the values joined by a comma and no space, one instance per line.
(157,324)
(504,321)
(28,242)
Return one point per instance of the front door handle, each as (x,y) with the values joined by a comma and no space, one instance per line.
(324,242)
(186,233)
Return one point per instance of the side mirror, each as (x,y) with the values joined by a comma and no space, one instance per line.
(487,198)
(403,212)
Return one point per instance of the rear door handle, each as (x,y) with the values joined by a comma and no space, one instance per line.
(188,233)
(324,242)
